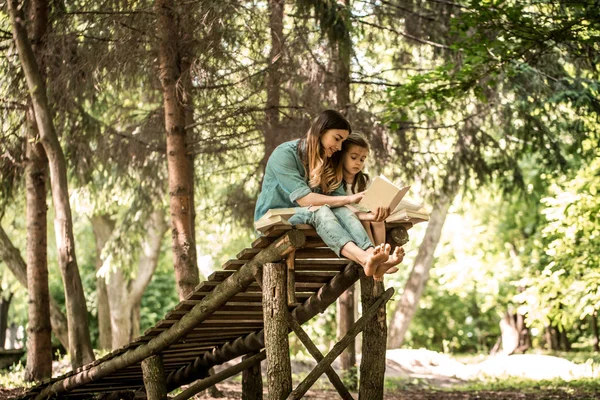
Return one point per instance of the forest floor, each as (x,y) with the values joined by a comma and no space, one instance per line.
(427,375)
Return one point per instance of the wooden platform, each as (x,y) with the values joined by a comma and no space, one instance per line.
(233,330)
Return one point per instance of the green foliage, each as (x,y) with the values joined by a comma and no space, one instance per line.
(563,289)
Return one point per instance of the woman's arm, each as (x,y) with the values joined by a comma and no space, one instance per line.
(317,199)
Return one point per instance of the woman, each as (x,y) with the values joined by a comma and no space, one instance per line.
(306,173)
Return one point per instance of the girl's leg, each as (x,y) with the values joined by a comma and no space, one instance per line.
(367,226)
(378,232)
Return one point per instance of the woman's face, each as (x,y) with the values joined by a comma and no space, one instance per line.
(332,139)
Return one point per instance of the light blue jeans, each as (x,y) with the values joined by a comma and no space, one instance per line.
(336,226)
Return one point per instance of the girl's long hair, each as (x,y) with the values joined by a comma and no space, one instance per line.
(323,172)
(361,180)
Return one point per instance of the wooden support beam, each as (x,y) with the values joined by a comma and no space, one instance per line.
(220,376)
(234,284)
(252,385)
(312,377)
(154,378)
(314,351)
(291,278)
(279,368)
(255,341)
(374,343)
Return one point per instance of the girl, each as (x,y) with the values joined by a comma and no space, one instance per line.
(354,154)
(307,172)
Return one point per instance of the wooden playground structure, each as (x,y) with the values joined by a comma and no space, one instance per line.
(247,310)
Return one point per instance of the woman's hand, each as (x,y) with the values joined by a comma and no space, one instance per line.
(381,214)
(355,198)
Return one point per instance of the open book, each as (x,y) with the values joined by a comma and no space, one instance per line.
(383,193)
(264,223)
(277,216)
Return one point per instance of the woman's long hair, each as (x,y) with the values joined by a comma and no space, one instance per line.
(361,180)
(323,172)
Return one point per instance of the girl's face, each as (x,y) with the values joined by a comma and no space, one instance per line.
(331,140)
(354,159)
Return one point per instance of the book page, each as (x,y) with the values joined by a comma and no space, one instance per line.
(383,193)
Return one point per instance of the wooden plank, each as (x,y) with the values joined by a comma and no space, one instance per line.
(254,297)
(234,265)
(262,242)
(313,252)
(224,323)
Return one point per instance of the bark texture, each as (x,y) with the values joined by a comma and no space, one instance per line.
(372,365)
(80,348)
(154,378)
(39,344)
(13,259)
(178,162)
(279,368)
(252,385)
(273,135)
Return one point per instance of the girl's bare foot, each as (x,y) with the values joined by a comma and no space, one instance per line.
(389,267)
(379,256)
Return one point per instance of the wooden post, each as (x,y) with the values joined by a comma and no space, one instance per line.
(252,386)
(374,343)
(279,369)
(291,278)
(154,378)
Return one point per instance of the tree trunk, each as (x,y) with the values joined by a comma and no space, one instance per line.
(273,135)
(12,257)
(39,343)
(4,306)
(345,320)
(594,322)
(154,378)
(125,295)
(80,347)
(178,162)
(413,289)
(510,334)
(279,370)
(252,386)
(372,365)
(341,55)
(103,227)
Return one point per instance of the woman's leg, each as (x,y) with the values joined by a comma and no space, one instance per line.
(353,226)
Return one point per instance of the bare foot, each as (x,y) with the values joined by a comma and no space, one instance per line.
(389,267)
(379,256)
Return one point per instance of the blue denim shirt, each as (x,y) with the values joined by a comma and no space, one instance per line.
(285,180)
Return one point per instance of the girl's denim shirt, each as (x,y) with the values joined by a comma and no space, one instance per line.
(285,181)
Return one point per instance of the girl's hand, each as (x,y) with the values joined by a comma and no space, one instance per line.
(381,214)
(355,198)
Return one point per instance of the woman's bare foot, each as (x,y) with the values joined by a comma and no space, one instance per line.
(389,267)
(379,256)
